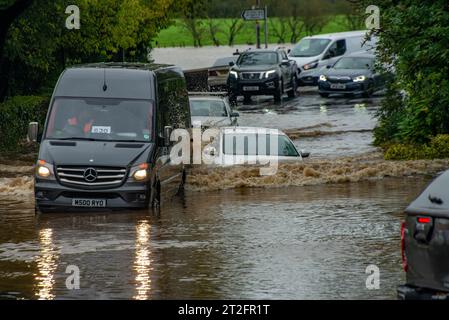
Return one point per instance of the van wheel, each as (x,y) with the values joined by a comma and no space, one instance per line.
(294,87)
(156,201)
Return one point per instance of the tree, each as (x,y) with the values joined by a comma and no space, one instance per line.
(10,10)
(193,12)
(413,38)
(38,45)
(353,13)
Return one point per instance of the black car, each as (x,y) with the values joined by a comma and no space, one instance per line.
(106,141)
(425,244)
(351,75)
(263,72)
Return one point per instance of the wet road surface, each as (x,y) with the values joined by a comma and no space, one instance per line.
(310,242)
(286,243)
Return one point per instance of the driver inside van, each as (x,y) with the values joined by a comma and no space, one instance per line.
(81,124)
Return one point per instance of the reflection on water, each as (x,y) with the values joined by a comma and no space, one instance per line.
(47,265)
(142,262)
(311,242)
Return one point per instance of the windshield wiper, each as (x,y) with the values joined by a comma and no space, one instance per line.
(81,139)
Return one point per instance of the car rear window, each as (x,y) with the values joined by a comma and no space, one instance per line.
(258,145)
(208,108)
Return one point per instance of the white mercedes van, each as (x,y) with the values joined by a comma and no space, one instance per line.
(316,52)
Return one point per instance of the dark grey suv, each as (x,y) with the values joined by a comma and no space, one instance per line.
(263,72)
(106,141)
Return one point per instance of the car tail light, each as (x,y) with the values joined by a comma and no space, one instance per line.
(424,220)
(213,73)
(404,256)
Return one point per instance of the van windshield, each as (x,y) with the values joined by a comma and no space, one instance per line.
(101,119)
(309,47)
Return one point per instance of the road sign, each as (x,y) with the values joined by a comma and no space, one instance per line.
(254,14)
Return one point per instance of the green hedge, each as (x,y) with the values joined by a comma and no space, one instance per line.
(438,148)
(15,115)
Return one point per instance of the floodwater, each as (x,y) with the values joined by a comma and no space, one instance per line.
(285,243)
(309,232)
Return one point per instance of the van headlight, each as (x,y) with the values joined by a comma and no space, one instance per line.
(311,65)
(43,169)
(140,173)
(359,79)
(323,78)
(234,74)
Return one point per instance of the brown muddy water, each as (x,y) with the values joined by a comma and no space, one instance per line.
(309,232)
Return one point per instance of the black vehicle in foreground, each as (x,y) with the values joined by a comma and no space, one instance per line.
(351,75)
(425,244)
(262,72)
(106,141)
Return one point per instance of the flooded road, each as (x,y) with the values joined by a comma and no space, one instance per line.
(289,243)
(309,232)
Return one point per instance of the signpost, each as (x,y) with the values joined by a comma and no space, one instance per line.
(253,14)
(257,14)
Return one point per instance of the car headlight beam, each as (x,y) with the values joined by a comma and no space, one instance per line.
(359,79)
(234,74)
(269,73)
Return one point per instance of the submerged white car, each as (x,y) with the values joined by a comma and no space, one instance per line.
(209,111)
(251,145)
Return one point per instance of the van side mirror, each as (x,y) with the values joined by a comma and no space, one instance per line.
(329,66)
(231,64)
(289,50)
(167,134)
(285,62)
(33,130)
(235,115)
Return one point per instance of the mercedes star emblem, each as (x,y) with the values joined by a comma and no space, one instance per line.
(90,175)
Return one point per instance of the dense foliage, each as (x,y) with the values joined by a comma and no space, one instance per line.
(16,113)
(414,39)
(39,46)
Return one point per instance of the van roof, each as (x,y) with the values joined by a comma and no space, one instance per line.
(113,80)
(348,34)
(127,65)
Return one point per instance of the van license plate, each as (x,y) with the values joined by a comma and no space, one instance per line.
(338,86)
(89,203)
(251,88)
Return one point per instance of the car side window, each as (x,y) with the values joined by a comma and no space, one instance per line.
(338,48)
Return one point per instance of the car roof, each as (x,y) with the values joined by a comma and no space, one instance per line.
(209,98)
(339,35)
(250,130)
(263,50)
(361,55)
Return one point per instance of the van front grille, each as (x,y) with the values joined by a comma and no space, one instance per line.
(97,177)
